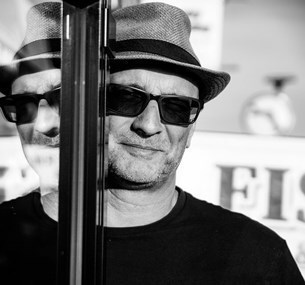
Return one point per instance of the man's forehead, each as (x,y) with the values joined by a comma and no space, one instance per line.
(153,80)
(38,82)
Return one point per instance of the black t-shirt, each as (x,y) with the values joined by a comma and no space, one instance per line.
(196,243)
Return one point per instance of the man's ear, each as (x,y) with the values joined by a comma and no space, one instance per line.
(188,143)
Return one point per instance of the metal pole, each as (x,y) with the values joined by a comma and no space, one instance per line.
(84,59)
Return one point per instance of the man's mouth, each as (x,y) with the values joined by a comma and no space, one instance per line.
(142,147)
(42,140)
(52,133)
(53,145)
(141,151)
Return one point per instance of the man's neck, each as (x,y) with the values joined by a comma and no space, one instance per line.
(137,208)
(124,208)
(50,204)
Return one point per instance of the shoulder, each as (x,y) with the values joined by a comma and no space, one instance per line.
(14,215)
(249,247)
(20,200)
(231,224)
(20,205)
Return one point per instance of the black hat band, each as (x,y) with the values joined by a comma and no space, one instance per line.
(161,48)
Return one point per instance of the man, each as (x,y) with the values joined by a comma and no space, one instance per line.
(155,232)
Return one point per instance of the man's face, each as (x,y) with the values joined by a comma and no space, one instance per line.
(144,152)
(40,138)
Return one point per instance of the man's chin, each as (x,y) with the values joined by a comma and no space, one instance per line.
(48,186)
(129,182)
(45,162)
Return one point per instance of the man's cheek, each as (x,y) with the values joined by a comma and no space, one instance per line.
(26,133)
(106,129)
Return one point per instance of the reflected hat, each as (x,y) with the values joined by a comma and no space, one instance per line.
(40,49)
(157,35)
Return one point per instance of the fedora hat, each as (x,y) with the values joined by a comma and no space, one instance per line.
(152,35)
(157,35)
(40,48)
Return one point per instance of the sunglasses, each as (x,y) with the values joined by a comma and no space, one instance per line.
(121,100)
(23,108)
(130,102)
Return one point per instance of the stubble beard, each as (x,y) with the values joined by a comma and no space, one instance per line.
(42,154)
(124,175)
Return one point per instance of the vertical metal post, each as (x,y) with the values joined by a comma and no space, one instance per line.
(84,74)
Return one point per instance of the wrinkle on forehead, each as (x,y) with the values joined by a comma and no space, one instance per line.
(156,82)
(39,82)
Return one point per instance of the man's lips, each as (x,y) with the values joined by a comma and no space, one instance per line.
(54,145)
(142,147)
(43,140)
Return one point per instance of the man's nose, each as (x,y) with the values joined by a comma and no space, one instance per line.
(148,123)
(47,121)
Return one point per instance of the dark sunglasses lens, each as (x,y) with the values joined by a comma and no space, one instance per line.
(9,111)
(180,111)
(53,98)
(20,109)
(26,110)
(125,101)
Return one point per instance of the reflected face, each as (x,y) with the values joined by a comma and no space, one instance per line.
(40,138)
(144,152)
(45,129)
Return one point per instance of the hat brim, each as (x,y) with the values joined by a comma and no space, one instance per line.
(209,82)
(32,64)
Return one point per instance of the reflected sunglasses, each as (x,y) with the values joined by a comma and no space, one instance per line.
(129,101)
(121,100)
(23,108)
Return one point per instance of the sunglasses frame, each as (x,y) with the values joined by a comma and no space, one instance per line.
(158,99)
(12,100)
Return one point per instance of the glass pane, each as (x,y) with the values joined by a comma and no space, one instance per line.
(30,81)
(43,43)
(30,78)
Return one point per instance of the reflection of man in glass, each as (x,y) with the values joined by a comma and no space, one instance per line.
(155,232)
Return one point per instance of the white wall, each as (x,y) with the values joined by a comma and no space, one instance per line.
(261,38)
